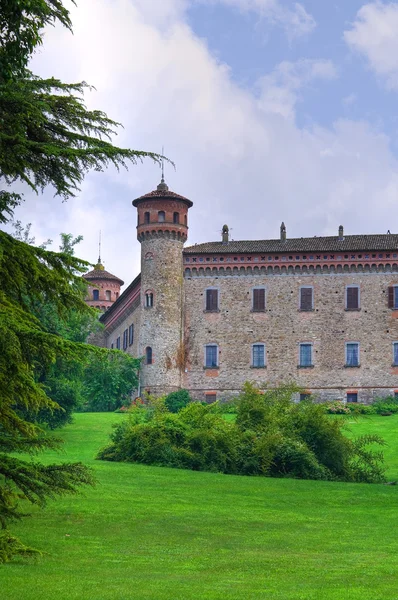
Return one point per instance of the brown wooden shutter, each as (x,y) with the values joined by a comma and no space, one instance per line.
(352,298)
(259,299)
(390,297)
(211,299)
(306,299)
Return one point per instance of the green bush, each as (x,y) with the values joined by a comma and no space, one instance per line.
(385,405)
(177,400)
(272,436)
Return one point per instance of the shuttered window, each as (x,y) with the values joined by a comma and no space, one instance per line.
(211,356)
(352,354)
(125,338)
(305,355)
(352,302)
(258,299)
(306,302)
(212,300)
(131,335)
(395,353)
(393,297)
(258,355)
(118,343)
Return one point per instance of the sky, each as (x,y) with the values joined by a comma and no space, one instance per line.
(272,110)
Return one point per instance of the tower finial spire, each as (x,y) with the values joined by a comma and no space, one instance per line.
(99,248)
(162,187)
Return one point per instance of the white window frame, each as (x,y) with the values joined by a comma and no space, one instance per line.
(307,287)
(217,356)
(353,285)
(265,356)
(299,355)
(359,354)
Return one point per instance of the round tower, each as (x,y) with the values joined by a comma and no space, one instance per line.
(103,287)
(162,229)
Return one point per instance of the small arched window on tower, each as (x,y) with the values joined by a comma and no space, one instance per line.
(148,355)
(161,216)
(95,294)
(176,218)
(185,219)
(148,299)
(108,295)
(147,217)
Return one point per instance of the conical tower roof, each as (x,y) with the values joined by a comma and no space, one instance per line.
(99,274)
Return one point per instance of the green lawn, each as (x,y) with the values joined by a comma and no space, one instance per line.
(149,532)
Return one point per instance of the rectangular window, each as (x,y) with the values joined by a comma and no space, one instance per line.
(352,397)
(396,395)
(211,356)
(305,355)
(125,339)
(304,396)
(212,300)
(393,297)
(258,355)
(306,298)
(352,297)
(112,346)
(258,299)
(131,335)
(395,353)
(118,343)
(352,354)
(210,397)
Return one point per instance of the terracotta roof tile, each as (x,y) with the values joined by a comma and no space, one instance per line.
(161,194)
(349,243)
(98,274)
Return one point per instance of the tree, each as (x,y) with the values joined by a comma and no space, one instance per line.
(47,138)
(109,380)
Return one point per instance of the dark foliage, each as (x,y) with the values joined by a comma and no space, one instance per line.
(177,400)
(272,437)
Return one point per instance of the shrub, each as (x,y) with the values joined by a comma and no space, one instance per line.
(385,405)
(177,400)
(271,436)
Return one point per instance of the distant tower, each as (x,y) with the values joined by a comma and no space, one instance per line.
(162,229)
(103,288)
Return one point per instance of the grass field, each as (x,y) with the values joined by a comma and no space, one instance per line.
(163,534)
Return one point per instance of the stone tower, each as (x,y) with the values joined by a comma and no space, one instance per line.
(162,229)
(103,287)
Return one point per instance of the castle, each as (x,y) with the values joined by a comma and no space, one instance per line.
(320,311)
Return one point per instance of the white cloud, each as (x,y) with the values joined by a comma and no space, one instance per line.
(374,35)
(296,21)
(238,163)
(280,90)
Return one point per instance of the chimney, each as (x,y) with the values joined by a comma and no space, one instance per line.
(225,234)
(341,233)
(283,232)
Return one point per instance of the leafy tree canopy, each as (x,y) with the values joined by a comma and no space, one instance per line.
(47,138)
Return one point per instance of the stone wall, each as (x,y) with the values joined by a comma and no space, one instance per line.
(283,326)
(161,324)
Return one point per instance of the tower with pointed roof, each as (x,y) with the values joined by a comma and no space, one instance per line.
(103,287)
(162,229)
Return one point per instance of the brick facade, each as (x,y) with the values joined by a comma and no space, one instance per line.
(168,305)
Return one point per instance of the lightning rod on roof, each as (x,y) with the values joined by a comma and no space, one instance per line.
(99,248)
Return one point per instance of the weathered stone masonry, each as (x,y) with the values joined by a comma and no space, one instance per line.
(166,304)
